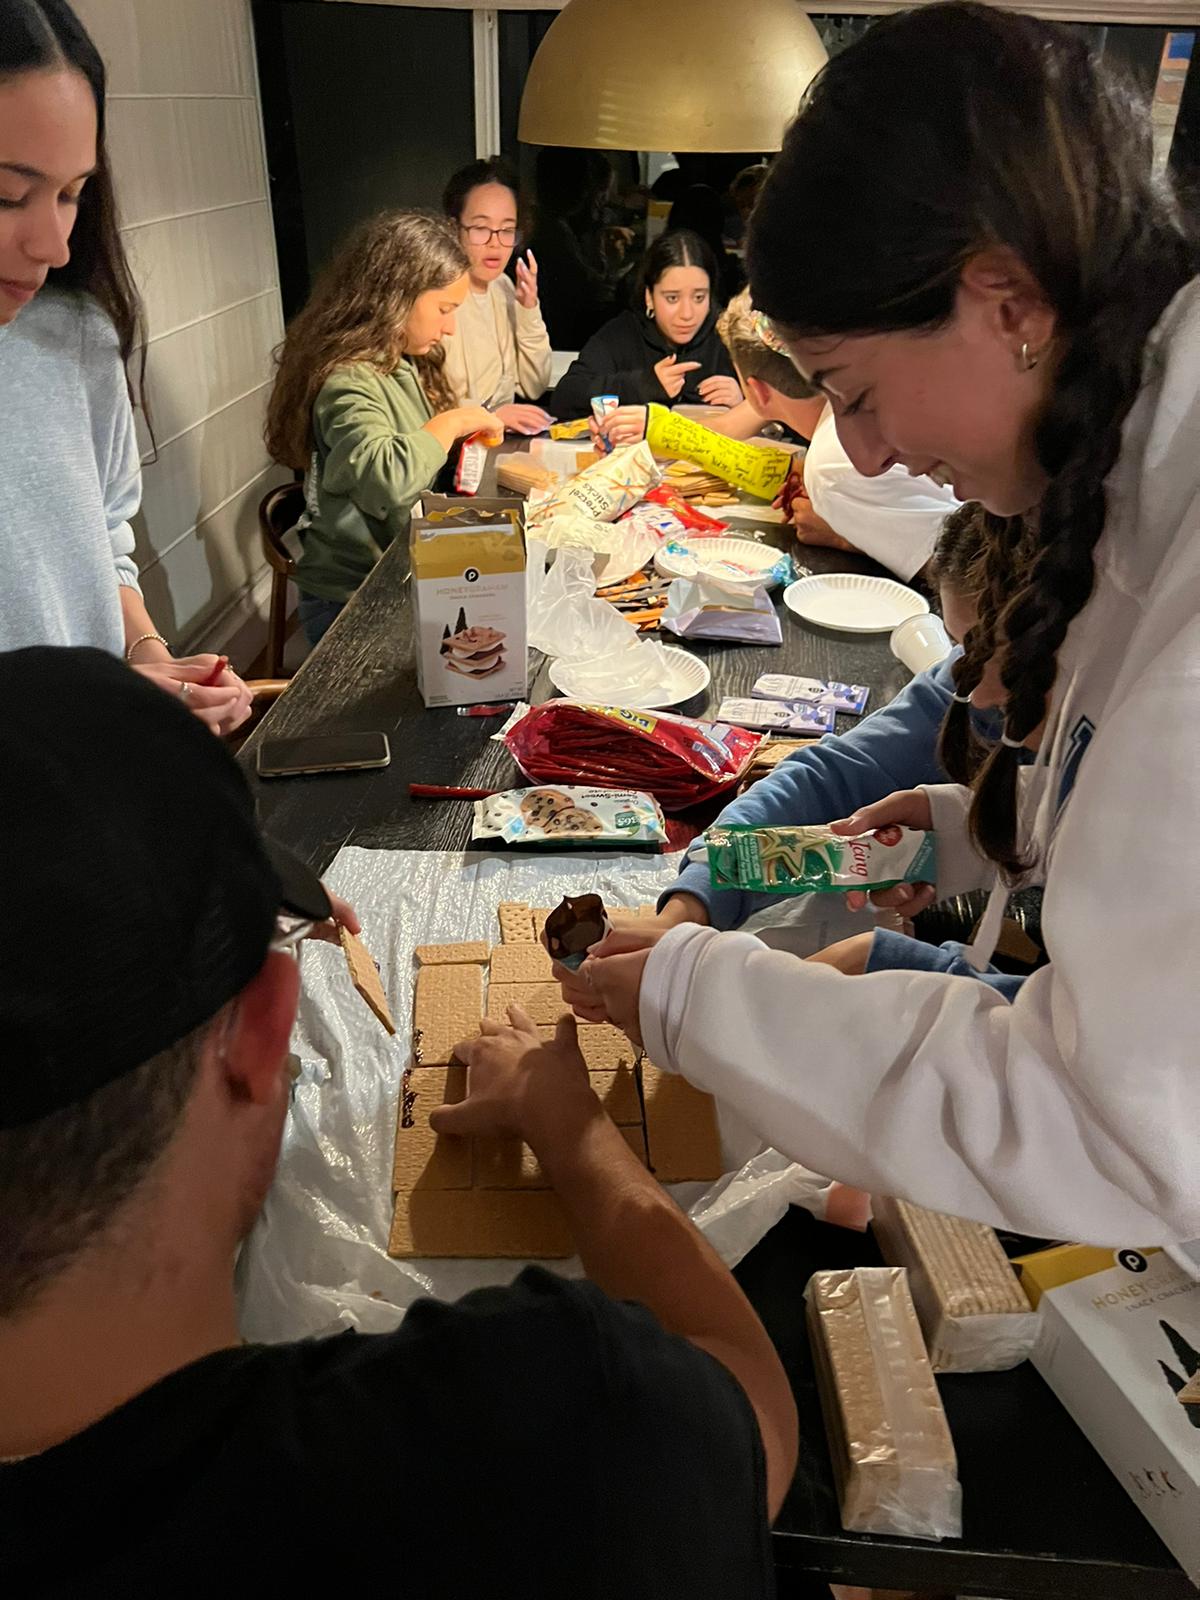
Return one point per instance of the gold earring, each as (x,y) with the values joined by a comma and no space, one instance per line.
(1028,361)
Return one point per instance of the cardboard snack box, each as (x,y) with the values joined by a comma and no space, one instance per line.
(468,578)
(1119,1343)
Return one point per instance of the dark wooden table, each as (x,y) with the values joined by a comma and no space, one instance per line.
(1044,1519)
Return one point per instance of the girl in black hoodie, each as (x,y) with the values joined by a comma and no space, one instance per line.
(671,354)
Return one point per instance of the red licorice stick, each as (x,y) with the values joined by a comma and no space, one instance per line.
(442,791)
(214,676)
(488,711)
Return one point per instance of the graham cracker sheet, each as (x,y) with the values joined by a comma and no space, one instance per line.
(681,1125)
(317,1259)
(364,975)
(541,1002)
(516,922)
(424,1159)
(604,1047)
(520,963)
(452,955)
(517,1224)
(446,1010)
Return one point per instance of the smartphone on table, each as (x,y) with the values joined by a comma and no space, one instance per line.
(323,752)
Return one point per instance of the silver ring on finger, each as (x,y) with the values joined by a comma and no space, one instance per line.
(185,689)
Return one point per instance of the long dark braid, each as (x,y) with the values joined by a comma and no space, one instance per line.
(1005,550)
(945,132)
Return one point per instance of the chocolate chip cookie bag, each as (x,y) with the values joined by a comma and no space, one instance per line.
(561,818)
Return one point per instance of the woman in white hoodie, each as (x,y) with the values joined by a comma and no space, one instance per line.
(1023,318)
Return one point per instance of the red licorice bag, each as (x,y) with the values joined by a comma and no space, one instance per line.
(678,761)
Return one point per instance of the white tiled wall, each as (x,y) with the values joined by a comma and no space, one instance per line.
(185,137)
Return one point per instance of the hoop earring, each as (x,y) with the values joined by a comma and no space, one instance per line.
(649,312)
(1028,362)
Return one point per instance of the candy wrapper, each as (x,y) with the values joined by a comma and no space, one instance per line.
(603,405)
(562,817)
(817,860)
(848,697)
(779,718)
(679,761)
(574,926)
(579,429)
(472,458)
(689,516)
(602,491)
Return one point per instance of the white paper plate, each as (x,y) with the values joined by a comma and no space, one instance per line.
(688,676)
(711,558)
(853,603)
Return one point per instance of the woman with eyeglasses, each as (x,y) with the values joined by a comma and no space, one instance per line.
(501,347)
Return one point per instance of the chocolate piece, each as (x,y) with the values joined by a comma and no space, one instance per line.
(574,926)
(461,625)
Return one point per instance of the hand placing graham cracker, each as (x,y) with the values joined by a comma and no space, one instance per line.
(487,1198)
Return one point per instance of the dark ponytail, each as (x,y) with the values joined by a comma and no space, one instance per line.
(944,132)
(39,36)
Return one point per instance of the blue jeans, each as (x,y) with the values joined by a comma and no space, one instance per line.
(316,616)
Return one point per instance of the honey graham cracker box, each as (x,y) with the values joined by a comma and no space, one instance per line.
(1119,1343)
(468,579)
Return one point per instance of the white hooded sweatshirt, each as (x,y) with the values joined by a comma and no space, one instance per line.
(1073,1112)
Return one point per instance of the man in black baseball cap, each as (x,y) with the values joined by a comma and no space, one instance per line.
(536,1439)
(149,898)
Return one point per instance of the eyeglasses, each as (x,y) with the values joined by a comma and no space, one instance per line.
(290,930)
(478,234)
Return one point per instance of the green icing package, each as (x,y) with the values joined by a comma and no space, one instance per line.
(816,860)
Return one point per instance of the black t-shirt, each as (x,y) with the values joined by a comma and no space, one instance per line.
(540,1440)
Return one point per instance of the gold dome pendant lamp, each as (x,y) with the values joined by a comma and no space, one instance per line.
(695,75)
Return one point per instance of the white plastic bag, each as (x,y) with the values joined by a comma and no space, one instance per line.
(599,654)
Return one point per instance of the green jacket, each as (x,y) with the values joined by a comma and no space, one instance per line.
(371,462)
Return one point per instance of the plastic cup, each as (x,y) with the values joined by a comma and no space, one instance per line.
(920,642)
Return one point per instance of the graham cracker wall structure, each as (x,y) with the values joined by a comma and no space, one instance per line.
(490,1197)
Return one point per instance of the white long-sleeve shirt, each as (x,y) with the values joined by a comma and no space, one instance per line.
(70,479)
(499,350)
(1074,1111)
(894,518)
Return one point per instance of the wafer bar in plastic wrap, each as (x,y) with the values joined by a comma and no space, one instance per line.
(973,1311)
(892,1453)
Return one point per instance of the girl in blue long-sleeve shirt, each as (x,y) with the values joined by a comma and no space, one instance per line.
(894,748)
